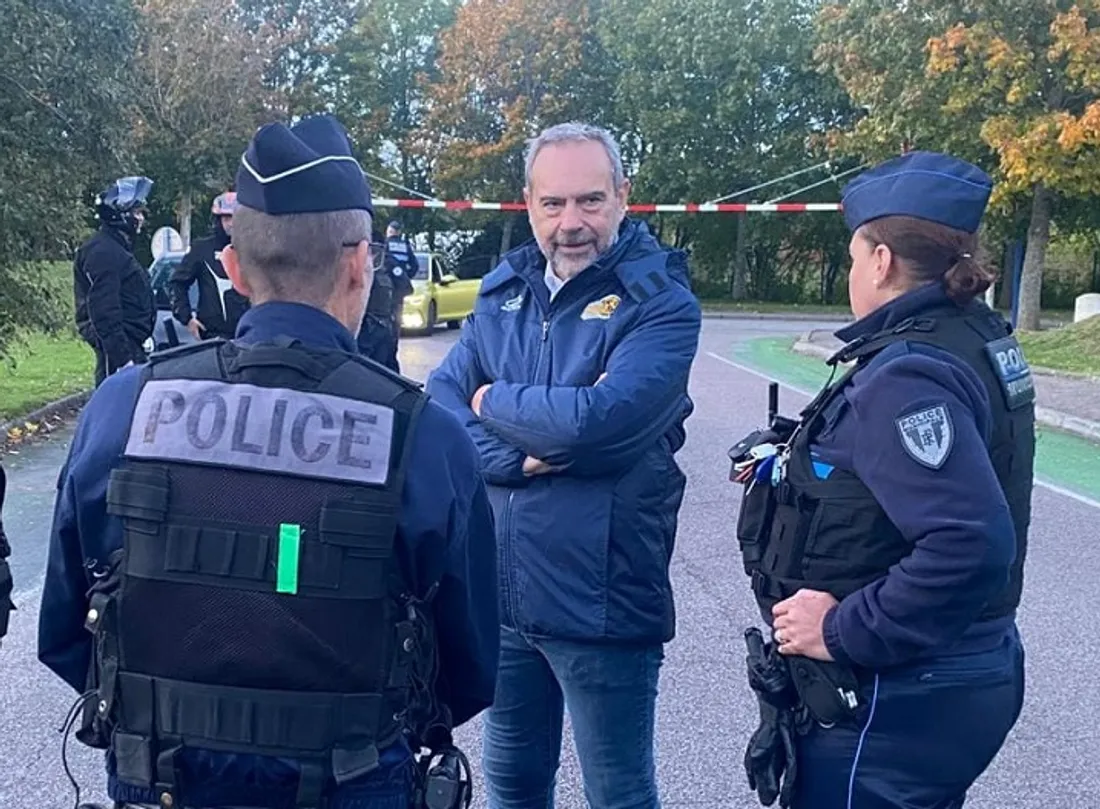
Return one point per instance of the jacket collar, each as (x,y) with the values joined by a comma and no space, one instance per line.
(299,321)
(911,303)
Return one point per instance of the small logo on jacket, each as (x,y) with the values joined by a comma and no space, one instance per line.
(927,435)
(601,309)
(512,304)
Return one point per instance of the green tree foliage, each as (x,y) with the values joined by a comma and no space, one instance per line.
(64,66)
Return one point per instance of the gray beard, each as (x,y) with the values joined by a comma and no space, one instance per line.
(554,268)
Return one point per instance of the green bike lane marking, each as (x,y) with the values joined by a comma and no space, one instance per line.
(1063,462)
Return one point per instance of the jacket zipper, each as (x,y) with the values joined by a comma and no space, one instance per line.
(509,562)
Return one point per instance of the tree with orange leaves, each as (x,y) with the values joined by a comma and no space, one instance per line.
(508,68)
(1016,79)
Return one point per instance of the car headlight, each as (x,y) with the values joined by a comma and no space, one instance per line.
(414,300)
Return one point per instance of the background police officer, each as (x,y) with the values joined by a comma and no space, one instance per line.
(893,563)
(332,492)
(219,306)
(115,311)
(403,265)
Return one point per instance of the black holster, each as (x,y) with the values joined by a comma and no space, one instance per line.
(829,691)
(96,721)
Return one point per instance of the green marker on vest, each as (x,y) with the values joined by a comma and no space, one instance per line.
(286,574)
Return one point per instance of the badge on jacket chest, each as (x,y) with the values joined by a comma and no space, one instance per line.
(927,435)
(601,309)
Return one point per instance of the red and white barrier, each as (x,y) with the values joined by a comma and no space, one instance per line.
(640,207)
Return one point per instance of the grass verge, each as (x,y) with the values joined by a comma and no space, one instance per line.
(1074,348)
(46,368)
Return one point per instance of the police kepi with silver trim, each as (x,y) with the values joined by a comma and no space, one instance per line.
(926,185)
(307,168)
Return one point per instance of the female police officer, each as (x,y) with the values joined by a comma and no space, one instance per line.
(888,552)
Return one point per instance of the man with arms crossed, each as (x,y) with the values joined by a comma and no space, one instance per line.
(571,376)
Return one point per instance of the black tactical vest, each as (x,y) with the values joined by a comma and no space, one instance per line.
(832,535)
(380,301)
(257,606)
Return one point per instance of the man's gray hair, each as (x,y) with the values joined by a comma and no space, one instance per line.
(574,132)
(296,257)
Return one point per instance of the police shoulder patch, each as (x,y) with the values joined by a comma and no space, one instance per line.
(1012,371)
(927,435)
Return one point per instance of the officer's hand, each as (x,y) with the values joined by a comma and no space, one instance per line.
(475,402)
(196,328)
(799,622)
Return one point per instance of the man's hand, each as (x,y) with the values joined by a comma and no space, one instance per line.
(533,466)
(475,402)
(195,326)
(799,622)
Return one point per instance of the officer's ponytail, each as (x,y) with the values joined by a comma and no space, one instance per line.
(967,278)
(929,252)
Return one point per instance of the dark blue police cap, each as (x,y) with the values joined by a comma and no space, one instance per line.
(307,168)
(924,185)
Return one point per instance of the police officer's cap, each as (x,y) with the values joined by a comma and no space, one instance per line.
(307,168)
(925,185)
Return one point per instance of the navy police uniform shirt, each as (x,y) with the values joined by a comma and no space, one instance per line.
(445,531)
(951,508)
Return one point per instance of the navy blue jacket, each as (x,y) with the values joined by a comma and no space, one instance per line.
(445,533)
(584,552)
(956,517)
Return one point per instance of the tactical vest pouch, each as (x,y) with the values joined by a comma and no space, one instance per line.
(754,521)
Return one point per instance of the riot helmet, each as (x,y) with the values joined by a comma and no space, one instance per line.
(122,204)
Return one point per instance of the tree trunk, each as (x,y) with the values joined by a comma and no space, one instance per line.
(185,219)
(1031,282)
(506,234)
(740,287)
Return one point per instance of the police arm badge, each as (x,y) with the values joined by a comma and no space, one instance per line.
(927,435)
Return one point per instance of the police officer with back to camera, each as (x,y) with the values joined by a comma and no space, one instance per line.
(219,306)
(401,259)
(885,532)
(272,569)
(381,326)
(115,310)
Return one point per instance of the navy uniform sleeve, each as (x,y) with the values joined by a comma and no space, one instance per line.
(447,518)
(81,530)
(924,420)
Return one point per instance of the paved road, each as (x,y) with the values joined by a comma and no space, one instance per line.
(705,712)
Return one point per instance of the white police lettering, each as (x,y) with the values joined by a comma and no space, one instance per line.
(927,435)
(263,429)
(1013,372)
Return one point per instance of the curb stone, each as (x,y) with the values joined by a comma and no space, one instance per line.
(75,400)
(715,314)
(1074,425)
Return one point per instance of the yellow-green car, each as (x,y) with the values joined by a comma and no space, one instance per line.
(438,296)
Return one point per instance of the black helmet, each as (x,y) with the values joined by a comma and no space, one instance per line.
(119,202)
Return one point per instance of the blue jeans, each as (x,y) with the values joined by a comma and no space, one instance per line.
(928,731)
(611,694)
